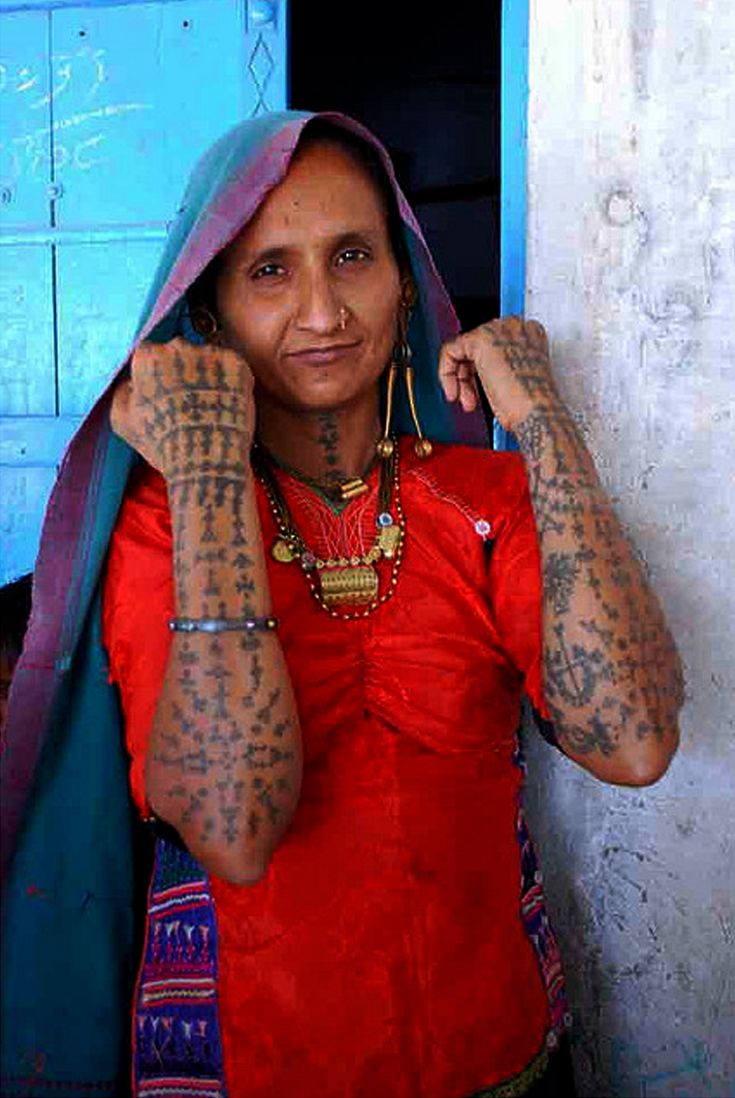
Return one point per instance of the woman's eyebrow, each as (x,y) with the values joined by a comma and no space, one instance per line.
(268,255)
(356,236)
(280,252)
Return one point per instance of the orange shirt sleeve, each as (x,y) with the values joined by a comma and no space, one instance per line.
(137,603)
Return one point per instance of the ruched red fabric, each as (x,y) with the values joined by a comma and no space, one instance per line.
(384,953)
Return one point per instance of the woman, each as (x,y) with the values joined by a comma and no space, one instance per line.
(321,626)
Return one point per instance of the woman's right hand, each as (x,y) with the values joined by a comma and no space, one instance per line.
(186,408)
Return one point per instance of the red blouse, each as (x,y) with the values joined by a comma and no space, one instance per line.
(384,952)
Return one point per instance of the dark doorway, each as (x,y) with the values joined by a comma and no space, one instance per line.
(426,80)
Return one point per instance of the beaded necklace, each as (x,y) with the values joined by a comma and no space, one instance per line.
(335,581)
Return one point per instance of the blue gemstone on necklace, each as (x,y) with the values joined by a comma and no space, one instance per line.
(385,518)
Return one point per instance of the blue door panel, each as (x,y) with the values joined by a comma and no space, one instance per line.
(267,55)
(23,493)
(101,288)
(167,80)
(27,373)
(49,437)
(29,454)
(25,141)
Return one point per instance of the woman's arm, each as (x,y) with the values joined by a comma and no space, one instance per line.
(224,758)
(612,675)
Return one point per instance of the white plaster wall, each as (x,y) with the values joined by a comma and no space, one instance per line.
(632,268)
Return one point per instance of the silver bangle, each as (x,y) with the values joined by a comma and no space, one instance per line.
(222,625)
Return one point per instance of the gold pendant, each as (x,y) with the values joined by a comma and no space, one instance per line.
(354,585)
(283,551)
(389,539)
(350,489)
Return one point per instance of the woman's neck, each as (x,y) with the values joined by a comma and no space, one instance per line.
(328,446)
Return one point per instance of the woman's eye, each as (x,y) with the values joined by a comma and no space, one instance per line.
(352,255)
(268,270)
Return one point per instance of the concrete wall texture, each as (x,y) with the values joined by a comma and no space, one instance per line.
(632,268)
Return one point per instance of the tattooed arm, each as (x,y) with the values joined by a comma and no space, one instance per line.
(224,759)
(612,675)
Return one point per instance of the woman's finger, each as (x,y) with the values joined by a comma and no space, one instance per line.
(447,373)
(467,381)
(537,334)
(120,407)
(450,384)
(453,354)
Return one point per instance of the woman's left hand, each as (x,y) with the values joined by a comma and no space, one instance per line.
(510,356)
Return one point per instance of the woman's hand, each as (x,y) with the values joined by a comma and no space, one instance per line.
(185,407)
(511,358)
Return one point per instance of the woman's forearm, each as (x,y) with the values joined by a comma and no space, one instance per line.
(613,678)
(224,759)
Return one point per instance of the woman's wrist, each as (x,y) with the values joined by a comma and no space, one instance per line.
(218,562)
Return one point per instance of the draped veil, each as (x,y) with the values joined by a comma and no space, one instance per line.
(67,822)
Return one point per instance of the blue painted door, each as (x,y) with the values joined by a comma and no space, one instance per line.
(513,170)
(104,107)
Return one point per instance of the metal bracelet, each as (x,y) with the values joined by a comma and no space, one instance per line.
(222,625)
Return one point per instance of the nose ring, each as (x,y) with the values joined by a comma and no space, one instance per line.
(342,318)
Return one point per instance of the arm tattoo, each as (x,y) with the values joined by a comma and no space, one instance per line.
(611,669)
(225,741)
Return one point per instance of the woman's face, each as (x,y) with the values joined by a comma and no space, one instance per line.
(310,290)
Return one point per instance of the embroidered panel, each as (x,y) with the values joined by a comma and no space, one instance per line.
(176,1038)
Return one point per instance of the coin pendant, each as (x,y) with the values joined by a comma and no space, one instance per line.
(388,540)
(283,551)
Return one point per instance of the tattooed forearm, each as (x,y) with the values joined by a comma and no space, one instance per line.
(612,674)
(560,574)
(224,758)
(224,762)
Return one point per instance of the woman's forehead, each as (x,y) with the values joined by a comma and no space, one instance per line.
(325,193)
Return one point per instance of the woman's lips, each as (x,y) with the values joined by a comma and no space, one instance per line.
(321,356)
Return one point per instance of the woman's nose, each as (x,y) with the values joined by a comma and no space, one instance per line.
(318,305)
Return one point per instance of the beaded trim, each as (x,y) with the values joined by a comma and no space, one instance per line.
(481,526)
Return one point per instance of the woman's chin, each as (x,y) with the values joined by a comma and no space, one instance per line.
(327,394)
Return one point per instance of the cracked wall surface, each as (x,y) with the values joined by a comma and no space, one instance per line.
(631,265)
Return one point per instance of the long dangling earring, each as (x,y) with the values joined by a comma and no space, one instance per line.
(401,360)
(385,446)
(422,446)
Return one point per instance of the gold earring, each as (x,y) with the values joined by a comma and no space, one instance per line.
(402,356)
(422,446)
(401,360)
(385,446)
(205,323)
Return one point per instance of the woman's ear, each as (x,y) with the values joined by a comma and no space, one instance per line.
(409,293)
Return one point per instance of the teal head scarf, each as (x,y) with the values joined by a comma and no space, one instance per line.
(67,825)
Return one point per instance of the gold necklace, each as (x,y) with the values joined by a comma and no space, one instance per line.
(334,581)
(335,492)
